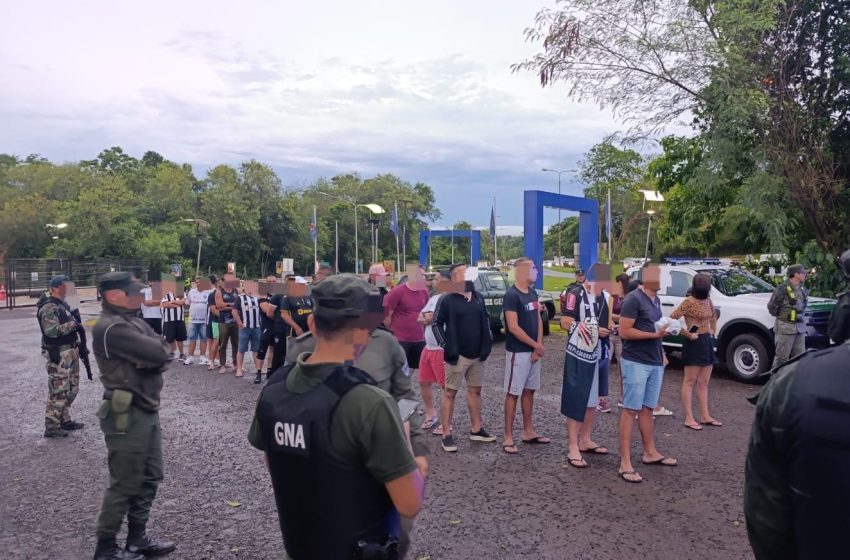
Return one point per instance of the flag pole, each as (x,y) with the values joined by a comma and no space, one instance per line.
(610,249)
(336,246)
(315,242)
(397,248)
(495,236)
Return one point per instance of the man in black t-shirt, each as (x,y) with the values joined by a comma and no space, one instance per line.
(212,325)
(296,306)
(523,351)
(267,321)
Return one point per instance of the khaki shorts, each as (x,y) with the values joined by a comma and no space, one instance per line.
(471,369)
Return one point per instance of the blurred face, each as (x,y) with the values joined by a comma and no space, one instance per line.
(525,273)
(459,273)
(581,278)
(652,278)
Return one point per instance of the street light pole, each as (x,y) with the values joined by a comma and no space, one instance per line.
(560,253)
(648,229)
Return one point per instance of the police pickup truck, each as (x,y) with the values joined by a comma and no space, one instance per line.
(745,338)
(492,285)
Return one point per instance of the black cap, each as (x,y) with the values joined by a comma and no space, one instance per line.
(57,281)
(120,281)
(580,271)
(342,295)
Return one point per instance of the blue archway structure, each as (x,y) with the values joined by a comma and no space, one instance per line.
(425,242)
(588,224)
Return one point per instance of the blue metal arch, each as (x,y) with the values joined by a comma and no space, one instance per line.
(588,227)
(425,242)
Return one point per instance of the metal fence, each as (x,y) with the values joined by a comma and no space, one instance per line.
(22,281)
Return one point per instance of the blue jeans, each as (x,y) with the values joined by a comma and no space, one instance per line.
(197,331)
(641,384)
(249,339)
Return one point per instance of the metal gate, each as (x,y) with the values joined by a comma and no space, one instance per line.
(22,281)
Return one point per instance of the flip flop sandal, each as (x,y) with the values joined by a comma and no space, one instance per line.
(694,427)
(222,371)
(438,431)
(715,423)
(598,450)
(577,463)
(662,462)
(512,446)
(432,423)
(624,474)
(538,439)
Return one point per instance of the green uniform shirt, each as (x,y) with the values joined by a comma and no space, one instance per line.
(780,306)
(385,362)
(366,426)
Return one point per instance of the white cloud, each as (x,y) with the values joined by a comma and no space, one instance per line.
(420,90)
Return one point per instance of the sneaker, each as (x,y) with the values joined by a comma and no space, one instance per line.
(662,412)
(216,363)
(189,361)
(482,435)
(258,378)
(619,404)
(603,406)
(182,357)
(449,444)
(203,361)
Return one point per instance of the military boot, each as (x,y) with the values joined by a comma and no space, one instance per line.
(55,433)
(139,542)
(69,425)
(108,549)
(258,378)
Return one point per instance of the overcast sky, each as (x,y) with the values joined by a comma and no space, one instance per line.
(419,89)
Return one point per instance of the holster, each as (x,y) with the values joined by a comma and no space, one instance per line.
(52,353)
(121,401)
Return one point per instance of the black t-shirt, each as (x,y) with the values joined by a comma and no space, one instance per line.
(468,326)
(211,301)
(265,322)
(280,327)
(645,312)
(299,307)
(225,316)
(527,309)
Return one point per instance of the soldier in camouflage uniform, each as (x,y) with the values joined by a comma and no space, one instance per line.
(59,339)
(788,304)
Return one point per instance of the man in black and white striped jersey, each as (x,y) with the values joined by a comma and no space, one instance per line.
(247,316)
(173,325)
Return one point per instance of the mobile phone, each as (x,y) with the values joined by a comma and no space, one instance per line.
(693,329)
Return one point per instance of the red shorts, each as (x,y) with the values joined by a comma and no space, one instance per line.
(432,368)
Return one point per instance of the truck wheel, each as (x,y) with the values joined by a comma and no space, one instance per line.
(747,357)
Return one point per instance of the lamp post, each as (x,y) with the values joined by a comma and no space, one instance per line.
(651,196)
(373,208)
(648,229)
(200,224)
(53,231)
(559,210)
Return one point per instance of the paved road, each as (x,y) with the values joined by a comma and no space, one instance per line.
(481,503)
(558,273)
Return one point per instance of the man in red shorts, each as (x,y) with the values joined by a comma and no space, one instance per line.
(432,367)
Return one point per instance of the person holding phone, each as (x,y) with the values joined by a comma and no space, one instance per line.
(698,350)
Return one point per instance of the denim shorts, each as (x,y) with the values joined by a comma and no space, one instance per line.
(249,339)
(641,384)
(197,331)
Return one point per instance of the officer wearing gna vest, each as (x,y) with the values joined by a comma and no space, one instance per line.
(131,358)
(340,461)
(788,304)
(797,489)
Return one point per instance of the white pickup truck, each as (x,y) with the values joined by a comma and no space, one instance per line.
(745,341)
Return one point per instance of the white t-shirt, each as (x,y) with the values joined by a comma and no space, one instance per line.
(150,312)
(198,308)
(430,339)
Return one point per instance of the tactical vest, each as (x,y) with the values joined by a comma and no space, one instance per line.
(815,458)
(64,317)
(325,504)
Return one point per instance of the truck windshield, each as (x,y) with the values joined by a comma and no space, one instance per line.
(497,282)
(735,282)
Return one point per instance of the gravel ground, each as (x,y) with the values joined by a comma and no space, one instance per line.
(216,500)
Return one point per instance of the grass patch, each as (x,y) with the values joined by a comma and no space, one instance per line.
(555,284)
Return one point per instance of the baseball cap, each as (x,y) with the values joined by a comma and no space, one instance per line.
(343,295)
(378,269)
(580,271)
(57,281)
(300,280)
(123,281)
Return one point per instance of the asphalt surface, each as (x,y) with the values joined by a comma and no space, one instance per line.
(216,500)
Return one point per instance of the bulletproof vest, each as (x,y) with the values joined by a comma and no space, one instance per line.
(325,504)
(64,316)
(817,461)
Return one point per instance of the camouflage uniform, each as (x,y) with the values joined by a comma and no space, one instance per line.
(788,304)
(59,344)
